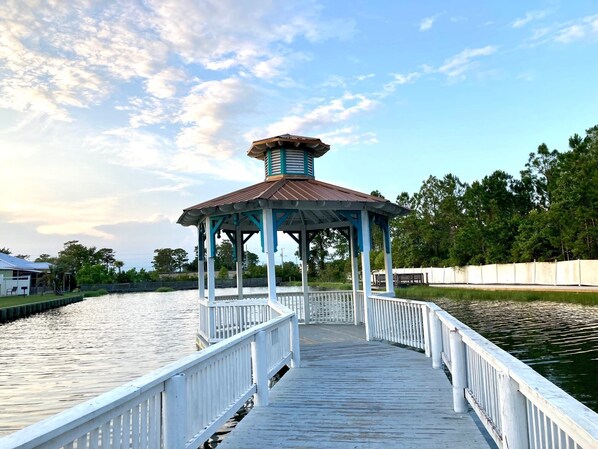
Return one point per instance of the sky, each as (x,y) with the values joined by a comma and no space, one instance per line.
(115,116)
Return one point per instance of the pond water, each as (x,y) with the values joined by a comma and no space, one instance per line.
(55,360)
(558,340)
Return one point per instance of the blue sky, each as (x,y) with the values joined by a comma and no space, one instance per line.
(115,116)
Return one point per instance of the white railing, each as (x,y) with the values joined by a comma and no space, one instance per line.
(295,302)
(228,316)
(398,321)
(358,307)
(331,307)
(180,405)
(519,408)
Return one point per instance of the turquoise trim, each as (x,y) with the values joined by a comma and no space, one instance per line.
(354,217)
(382,222)
(256,218)
(216,223)
(305,163)
(232,236)
(269,162)
(201,243)
(277,222)
(283,161)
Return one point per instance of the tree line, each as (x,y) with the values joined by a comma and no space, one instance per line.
(549,212)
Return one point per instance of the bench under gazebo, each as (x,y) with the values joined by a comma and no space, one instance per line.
(292,201)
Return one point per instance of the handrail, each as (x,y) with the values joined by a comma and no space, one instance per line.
(519,408)
(228,373)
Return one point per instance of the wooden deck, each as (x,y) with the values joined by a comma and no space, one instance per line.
(350,393)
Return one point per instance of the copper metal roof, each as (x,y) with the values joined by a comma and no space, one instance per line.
(314,145)
(319,204)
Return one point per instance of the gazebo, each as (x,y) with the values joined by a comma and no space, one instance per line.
(292,201)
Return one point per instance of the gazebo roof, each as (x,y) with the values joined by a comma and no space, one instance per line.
(318,204)
(291,190)
(313,145)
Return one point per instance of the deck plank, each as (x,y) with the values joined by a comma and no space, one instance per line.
(350,393)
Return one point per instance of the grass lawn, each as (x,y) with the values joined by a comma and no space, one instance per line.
(10,301)
(429,293)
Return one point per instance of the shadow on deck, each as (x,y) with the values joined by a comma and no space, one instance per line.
(350,393)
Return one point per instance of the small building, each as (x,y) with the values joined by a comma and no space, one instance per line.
(19,276)
(292,201)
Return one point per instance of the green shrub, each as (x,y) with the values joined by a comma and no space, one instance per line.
(95,293)
(164,289)
(90,294)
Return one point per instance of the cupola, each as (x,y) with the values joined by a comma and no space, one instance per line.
(288,156)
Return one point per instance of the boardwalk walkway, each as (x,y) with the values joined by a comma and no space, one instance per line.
(350,393)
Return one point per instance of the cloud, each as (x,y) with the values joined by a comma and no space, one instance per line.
(570,34)
(224,34)
(400,79)
(163,84)
(427,23)
(348,135)
(207,108)
(60,56)
(566,32)
(464,61)
(529,17)
(37,81)
(305,122)
(64,217)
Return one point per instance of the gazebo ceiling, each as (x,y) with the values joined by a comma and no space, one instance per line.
(313,204)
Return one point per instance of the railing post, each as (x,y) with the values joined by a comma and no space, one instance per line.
(459,371)
(211,323)
(436,340)
(425,311)
(295,344)
(513,414)
(175,412)
(260,369)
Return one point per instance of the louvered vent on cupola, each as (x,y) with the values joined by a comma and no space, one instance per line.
(288,156)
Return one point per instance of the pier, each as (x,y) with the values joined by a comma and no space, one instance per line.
(353,393)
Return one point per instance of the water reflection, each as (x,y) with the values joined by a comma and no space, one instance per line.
(560,341)
(57,359)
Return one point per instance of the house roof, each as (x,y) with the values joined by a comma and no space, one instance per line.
(8,262)
(318,204)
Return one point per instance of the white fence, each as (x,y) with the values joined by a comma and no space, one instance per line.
(573,272)
(178,406)
(519,408)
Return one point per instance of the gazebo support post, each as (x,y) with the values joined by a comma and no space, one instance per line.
(201,271)
(366,271)
(304,280)
(211,250)
(268,229)
(388,260)
(239,245)
(354,274)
